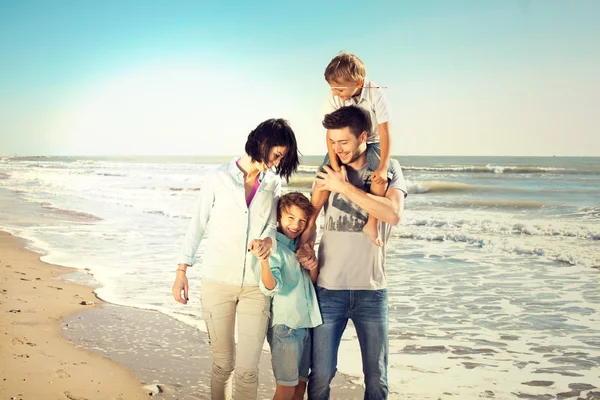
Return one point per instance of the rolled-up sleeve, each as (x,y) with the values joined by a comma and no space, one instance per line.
(200,218)
(275,263)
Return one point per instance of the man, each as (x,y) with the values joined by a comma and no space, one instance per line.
(352,281)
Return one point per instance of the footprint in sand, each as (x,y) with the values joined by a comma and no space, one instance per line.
(71,397)
(61,373)
(16,341)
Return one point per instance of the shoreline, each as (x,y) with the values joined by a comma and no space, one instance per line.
(105,352)
(36,360)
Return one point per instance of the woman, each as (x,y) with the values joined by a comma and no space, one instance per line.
(237,209)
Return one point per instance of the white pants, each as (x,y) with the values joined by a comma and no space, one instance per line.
(220,305)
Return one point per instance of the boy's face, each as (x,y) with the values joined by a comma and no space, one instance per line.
(346,145)
(292,221)
(346,90)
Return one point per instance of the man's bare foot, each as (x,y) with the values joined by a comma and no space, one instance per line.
(371,230)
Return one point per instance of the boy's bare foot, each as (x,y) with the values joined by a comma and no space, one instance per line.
(371,230)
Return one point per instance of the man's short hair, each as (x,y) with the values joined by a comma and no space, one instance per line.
(352,117)
(294,199)
(345,67)
(271,133)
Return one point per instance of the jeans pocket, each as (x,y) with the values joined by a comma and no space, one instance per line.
(282,331)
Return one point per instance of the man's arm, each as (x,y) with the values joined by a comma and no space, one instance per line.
(387,209)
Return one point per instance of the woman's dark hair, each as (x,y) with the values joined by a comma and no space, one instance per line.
(270,133)
(352,117)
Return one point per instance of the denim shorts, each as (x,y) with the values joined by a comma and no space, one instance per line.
(373,159)
(290,354)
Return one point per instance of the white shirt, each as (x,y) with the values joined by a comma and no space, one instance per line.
(371,100)
(227,225)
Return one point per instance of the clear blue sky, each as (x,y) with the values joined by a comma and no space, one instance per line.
(494,77)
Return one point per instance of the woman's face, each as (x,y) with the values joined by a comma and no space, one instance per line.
(275,156)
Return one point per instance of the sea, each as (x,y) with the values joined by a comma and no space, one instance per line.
(493,273)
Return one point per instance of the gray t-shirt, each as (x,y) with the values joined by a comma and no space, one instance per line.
(348,260)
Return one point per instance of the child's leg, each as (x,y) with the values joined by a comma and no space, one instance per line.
(299,391)
(371,228)
(284,392)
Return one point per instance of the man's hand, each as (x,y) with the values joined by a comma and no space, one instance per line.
(306,257)
(332,180)
(261,249)
(379,176)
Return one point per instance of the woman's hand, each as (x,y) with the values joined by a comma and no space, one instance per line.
(180,284)
(261,249)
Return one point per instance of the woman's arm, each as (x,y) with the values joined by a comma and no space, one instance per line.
(199,221)
(192,240)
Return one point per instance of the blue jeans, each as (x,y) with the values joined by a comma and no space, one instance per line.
(290,354)
(368,310)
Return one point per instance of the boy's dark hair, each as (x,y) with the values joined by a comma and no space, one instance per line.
(294,199)
(345,67)
(268,134)
(352,117)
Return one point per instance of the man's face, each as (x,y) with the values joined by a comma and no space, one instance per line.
(292,221)
(345,144)
(275,156)
(345,90)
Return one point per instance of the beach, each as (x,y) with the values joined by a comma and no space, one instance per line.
(492,275)
(36,360)
(61,341)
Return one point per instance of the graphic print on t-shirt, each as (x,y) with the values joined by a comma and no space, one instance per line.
(344,215)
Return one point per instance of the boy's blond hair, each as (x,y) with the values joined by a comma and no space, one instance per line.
(345,67)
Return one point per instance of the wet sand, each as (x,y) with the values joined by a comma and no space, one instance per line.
(36,360)
(59,341)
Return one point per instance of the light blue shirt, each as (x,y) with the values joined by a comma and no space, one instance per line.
(294,298)
(227,225)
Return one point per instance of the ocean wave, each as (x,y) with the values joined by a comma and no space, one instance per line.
(77,216)
(503,228)
(301,181)
(553,253)
(308,168)
(4,175)
(588,212)
(420,187)
(500,169)
(109,174)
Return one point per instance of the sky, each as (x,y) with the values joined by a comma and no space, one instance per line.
(463,77)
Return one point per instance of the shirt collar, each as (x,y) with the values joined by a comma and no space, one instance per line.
(287,242)
(237,173)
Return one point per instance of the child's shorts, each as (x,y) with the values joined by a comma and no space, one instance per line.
(373,159)
(290,354)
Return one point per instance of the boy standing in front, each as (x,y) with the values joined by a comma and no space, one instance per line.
(295,310)
(346,75)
